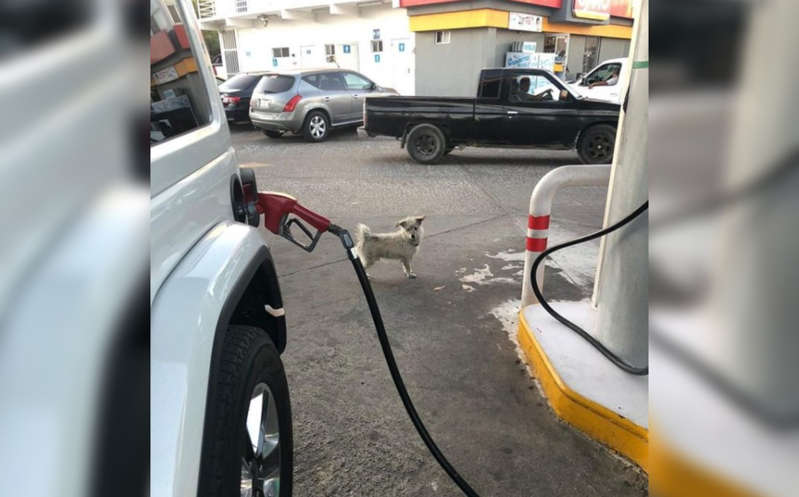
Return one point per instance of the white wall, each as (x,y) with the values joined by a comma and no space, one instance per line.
(395,68)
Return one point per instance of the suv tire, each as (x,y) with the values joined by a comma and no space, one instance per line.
(596,143)
(316,127)
(426,143)
(249,376)
(273,134)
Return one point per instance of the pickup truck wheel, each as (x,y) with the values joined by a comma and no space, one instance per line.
(273,134)
(316,127)
(247,446)
(426,143)
(596,144)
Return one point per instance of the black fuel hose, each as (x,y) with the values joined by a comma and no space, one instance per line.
(618,361)
(382,337)
(346,240)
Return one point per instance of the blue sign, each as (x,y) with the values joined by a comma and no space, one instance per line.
(346,49)
(377,57)
(401,47)
(274,61)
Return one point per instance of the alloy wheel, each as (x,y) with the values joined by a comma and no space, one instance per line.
(260,462)
(317,126)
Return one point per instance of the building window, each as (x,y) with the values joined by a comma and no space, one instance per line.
(377,46)
(330,53)
(443,37)
(280,52)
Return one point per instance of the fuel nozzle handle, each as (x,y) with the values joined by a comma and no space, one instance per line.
(277,206)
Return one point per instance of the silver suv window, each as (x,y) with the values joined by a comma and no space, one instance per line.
(356,82)
(326,81)
(274,83)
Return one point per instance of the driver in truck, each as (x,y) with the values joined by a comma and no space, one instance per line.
(523,93)
(611,80)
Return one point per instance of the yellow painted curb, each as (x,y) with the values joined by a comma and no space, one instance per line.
(599,422)
(674,474)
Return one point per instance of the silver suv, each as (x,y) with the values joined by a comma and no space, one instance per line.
(310,102)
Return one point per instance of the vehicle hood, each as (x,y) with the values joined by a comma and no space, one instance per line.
(594,103)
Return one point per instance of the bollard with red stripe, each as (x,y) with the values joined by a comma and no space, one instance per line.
(541,209)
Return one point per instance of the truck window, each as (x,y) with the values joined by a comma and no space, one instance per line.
(490,84)
(179,100)
(604,73)
(526,88)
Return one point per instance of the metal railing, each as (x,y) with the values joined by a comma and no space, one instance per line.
(207,8)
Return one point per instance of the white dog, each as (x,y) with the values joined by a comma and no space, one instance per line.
(401,244)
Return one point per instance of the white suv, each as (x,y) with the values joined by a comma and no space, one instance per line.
(220,413)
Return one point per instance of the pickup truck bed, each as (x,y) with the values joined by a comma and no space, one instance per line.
(501,115)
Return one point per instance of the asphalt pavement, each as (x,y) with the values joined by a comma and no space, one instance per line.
(452,329)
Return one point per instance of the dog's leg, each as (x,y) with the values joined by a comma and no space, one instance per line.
(367,263)
(406,266)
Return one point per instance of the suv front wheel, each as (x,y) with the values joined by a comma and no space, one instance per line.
(247,447)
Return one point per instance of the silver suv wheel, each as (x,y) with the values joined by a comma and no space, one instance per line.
(317,126)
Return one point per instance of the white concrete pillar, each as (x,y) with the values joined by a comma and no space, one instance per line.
(621,287)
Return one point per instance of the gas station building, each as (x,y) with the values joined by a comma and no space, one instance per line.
(455,39)
(418,47)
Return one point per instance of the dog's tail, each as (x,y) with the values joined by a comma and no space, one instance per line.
(362,232)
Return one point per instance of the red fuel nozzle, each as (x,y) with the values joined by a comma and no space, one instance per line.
(276,208)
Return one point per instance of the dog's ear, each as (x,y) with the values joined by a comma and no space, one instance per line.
(405,223)
(419,219)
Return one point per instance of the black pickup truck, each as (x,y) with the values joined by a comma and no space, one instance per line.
(514,108)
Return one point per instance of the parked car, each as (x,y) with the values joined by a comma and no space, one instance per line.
(311,102)
(221,418)
(236,93)
(514,107)
(600,83)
